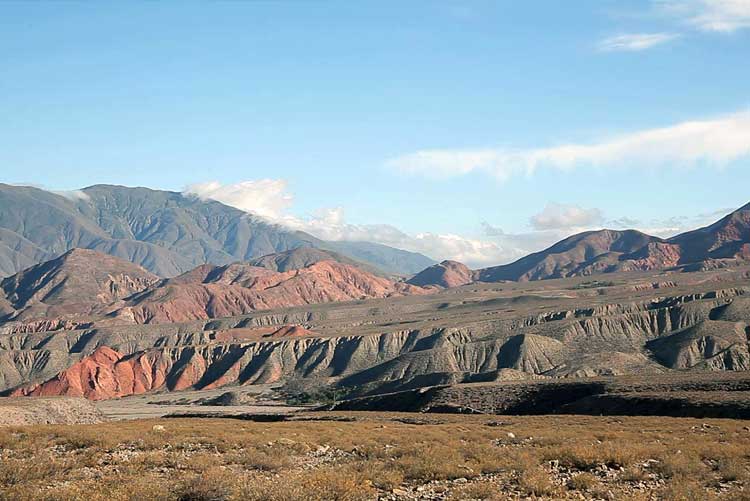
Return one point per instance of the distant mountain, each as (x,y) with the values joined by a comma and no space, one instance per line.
(389,259)
(446,274)
(75,283)
(723,243)
(167,233)
(582,254)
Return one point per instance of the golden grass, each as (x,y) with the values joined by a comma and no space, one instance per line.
(462,457)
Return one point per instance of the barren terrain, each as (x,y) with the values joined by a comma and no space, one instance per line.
(369,456)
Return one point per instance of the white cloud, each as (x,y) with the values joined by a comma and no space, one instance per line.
(265,197)
(558,217)
(270,199)
(330,224)
(74,195)
(714,142)
(553,223)
(710,15)
(635,41)
(624,223)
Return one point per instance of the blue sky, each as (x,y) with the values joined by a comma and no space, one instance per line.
(474,130)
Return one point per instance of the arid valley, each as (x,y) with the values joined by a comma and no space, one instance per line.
(324,250)
(614,375)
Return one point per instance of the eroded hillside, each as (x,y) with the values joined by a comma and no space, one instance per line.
(631,324)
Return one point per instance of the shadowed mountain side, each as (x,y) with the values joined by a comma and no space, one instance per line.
(722,396)
(76,283)
(18,253)
(729,237)
(722,345)
(383,257)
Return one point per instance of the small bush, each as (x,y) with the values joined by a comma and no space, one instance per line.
(536,482)
(583,482)
(215,484)
(479,490)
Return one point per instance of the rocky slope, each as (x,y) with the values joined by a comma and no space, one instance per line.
(395,343)
(165,232)
(78,283)
(237,289)
(57,410)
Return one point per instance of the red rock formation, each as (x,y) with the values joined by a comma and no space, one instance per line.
(240,289)
(446,274)
(106,373)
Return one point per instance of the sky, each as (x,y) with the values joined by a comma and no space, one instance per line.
(470,130)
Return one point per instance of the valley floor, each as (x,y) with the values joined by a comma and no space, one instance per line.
(386,456)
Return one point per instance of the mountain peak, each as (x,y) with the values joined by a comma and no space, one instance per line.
(445,274)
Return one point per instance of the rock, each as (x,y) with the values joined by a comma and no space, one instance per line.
(511,435)
(157,428)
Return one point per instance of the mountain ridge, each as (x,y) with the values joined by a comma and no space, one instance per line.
(166,232)
(722,243)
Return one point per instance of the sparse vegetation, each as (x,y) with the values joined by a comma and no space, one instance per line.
(362,456)
(593,284)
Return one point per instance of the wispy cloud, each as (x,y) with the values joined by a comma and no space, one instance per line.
(635,41)
(271,200)
(562,217)
(709,15)
(713,142)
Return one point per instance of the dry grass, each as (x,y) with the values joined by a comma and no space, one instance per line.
(455,457)
(583,482)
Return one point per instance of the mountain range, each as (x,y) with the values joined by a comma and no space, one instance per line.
(170,233)
(723,243)
(118,291)
(167,233)
(84,285)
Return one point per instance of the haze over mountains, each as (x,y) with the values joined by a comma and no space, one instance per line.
(165,232)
